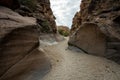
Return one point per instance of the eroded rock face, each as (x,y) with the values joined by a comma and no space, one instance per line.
(19,39)
(94,44)
(40,9)
(75,23)
(105,15)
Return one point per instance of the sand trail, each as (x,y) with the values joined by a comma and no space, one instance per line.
(73,64)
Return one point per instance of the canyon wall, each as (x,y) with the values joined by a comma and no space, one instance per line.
(39,9)
(96,28)
(20,34)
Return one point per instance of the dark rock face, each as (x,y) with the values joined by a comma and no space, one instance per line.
(10,3)
(76,23)
(40,9)
(19,39)
(104,15)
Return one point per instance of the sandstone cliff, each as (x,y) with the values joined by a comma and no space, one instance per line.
(96,28)
(19,39)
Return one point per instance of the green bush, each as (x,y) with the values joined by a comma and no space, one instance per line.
(29,3)
(45,26)
(64,33)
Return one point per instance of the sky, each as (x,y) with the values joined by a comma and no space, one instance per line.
(64,11)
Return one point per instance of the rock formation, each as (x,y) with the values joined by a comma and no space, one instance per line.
(96,28)
(39,9)
(19,40)
(76,23)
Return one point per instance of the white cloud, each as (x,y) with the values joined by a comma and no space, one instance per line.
(64,11)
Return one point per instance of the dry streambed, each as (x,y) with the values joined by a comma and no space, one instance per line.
(73,64)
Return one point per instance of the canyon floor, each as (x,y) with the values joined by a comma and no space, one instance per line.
(73,64)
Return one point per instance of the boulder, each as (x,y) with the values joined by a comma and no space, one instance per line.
(95,26)
(19,41)
(90,39)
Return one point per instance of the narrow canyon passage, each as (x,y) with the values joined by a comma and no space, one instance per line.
(73,64)
(32,46)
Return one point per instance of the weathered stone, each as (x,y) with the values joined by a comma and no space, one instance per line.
(19,39)
(10,20)
(105,14)
(94,44)
(76,23)
(43,13)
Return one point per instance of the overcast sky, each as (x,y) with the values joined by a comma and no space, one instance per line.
(64,10)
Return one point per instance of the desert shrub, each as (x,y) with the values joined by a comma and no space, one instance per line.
(63,32)
(45,26)
(29,3)
(66,34)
